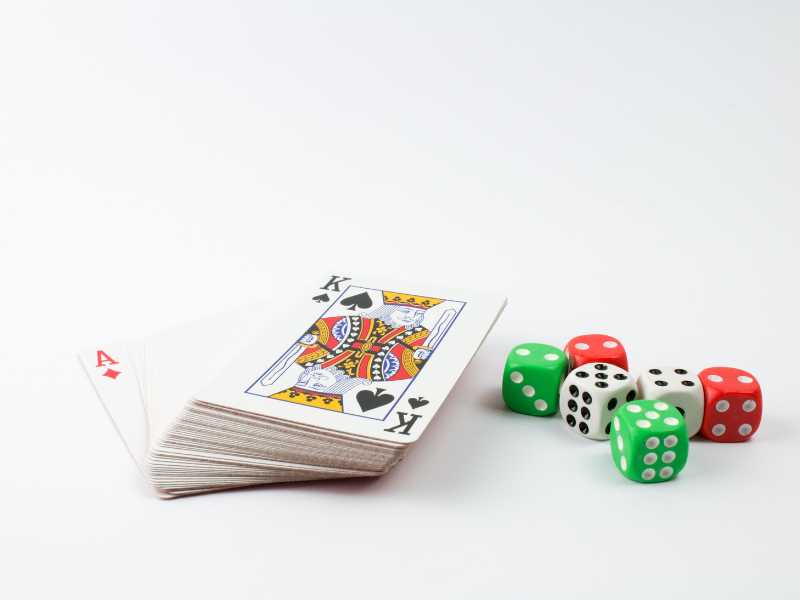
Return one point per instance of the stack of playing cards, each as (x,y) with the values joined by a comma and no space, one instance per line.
(338,383)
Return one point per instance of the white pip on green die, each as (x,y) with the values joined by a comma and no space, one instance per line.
(590,394)
(676,386)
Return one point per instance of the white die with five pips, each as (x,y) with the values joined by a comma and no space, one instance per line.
(676,386)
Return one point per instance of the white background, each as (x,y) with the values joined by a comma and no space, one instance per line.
(630,168)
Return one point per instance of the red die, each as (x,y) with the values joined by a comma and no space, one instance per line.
(595,347)
(732,404)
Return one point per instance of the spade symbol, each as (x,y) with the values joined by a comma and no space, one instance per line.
(361,300)
(321,298)
(367,399)
(417,402)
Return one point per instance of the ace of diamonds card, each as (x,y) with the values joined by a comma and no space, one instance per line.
(365,358)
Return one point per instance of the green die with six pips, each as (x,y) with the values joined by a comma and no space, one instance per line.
(649,443)
(532,377)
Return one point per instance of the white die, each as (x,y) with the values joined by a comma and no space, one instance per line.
(589,395)
(676,386)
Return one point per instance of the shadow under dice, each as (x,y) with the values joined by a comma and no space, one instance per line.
(590,394)
(649,443)
(676,386)
(732,404)
(531,378)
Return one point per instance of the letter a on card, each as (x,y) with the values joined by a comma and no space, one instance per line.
(104,359)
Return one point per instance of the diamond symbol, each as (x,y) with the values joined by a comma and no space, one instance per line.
(111,373)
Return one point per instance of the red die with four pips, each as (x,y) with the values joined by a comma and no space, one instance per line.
(732,404)
(595,348)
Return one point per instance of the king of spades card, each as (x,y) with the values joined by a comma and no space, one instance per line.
(361,354)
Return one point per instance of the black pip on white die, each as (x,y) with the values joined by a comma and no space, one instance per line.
(677,386)
(590,394)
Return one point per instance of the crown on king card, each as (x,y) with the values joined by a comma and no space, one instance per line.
(398,298)
(318,399)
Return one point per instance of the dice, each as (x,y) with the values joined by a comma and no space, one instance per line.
(676,386)
(649,442)
(732,404)
(531,379)
(590,394)
(595,348)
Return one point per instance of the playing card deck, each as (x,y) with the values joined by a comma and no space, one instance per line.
(334,383)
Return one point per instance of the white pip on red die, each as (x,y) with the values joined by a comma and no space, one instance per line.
(590,394)
(676,386)
(595,347)
(732,404)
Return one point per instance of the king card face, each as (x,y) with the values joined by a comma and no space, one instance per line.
(361,355)
(370,360)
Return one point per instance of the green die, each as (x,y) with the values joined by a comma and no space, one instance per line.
(649,443)
(532,377)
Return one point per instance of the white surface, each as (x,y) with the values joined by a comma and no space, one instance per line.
(626,168)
